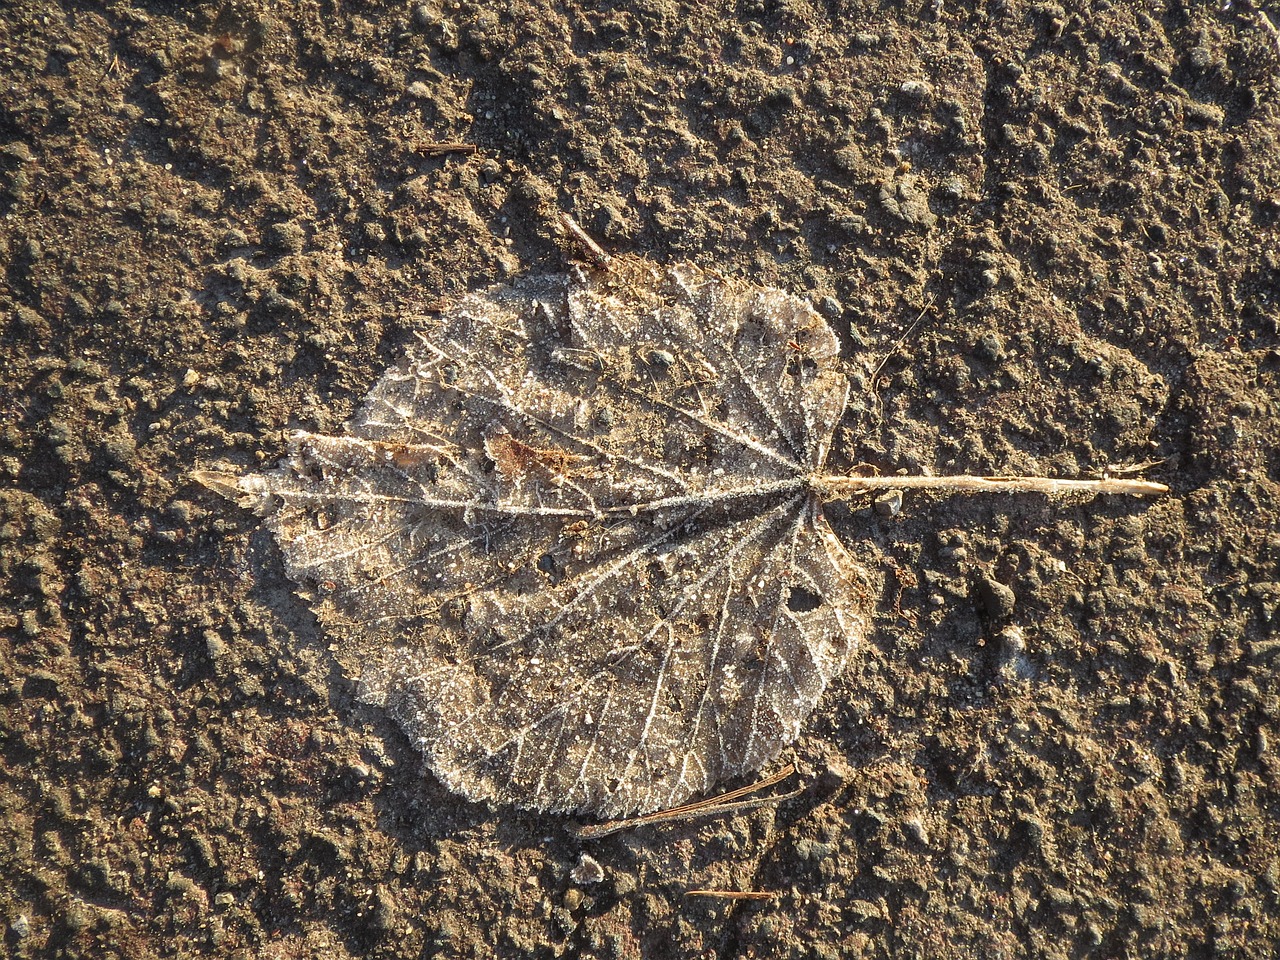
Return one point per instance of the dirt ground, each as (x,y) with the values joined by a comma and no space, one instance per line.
(1058,226)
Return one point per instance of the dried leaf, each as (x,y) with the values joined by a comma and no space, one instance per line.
(571,541)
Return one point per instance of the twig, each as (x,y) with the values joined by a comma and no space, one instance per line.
(446,146)
(734,894)
(725,803)
(589,246)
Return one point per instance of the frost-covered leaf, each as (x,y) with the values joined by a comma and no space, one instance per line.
(571,543)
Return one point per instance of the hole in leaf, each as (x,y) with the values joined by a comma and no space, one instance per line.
(548,565)
(800,600)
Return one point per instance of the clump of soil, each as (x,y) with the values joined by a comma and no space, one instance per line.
(1057,228)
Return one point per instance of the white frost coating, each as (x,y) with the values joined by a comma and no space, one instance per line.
(554,545)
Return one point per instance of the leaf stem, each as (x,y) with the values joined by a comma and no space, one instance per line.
(842,488)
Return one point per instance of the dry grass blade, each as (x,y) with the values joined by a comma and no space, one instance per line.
(730,802)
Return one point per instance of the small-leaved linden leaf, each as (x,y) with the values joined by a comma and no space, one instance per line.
(572,540)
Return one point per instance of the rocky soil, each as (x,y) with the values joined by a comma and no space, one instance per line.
(1056,229)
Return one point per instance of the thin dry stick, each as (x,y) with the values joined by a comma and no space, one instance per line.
(734,894)
(446,146)
(724,803)
(589,246)
(875,374)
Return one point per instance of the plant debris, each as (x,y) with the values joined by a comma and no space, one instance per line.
(574,540)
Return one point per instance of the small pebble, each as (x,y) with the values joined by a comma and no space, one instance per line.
(588,870)
(988,348)
(889,504)
(284,237)
(1012,643)
(662,358)
(215,646)
(916,90)
(915,829)
(996,600)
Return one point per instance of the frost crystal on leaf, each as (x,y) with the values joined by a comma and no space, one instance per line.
(572,540)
